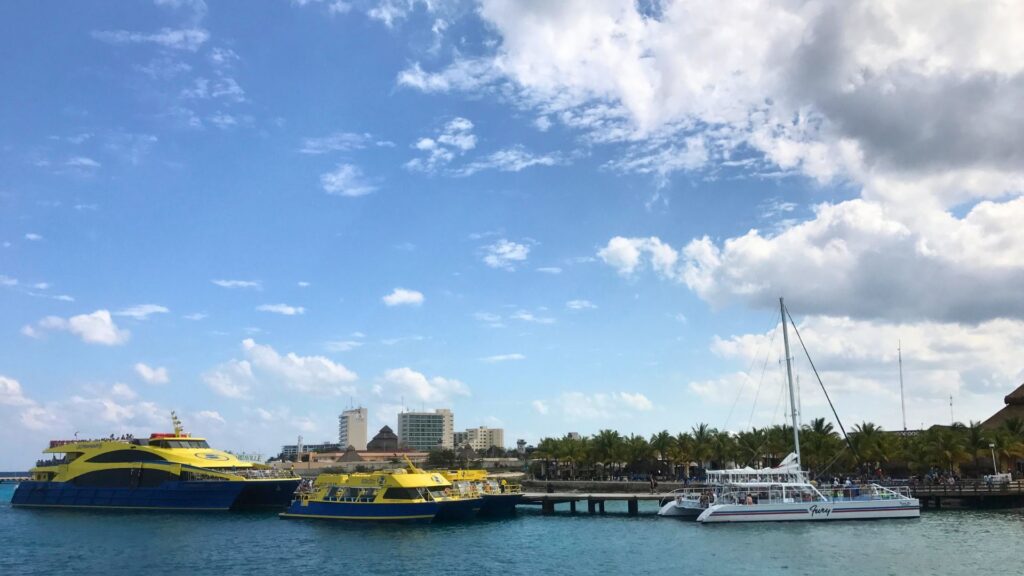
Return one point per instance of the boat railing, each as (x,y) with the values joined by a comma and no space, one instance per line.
(847,493)
(262,474)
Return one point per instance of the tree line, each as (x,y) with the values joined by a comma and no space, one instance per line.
(960,449)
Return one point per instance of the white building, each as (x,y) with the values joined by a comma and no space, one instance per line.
(426,430)
(352,429)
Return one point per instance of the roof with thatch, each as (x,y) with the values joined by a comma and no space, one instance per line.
(1014,408)
(351,455)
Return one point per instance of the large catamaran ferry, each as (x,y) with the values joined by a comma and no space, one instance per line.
(403,495)
(165,471)
(785,494)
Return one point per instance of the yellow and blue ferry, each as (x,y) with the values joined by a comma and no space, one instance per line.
(165,471)
(405,495)
(499,497)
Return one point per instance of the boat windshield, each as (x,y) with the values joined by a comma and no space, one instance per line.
(179,443)
(770,494)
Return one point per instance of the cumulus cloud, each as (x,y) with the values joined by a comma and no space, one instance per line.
(505,254)
(283,309)
(580,305)
(576,406)
(346,180)
(152,375)
(857,359)
(316,375)
(417,386)
(95,328)
(541,407)
(403,297)
(11,393)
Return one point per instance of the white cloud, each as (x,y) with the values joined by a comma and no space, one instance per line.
(454,139)
(503,358)
(254,284)
(416,386)
(489,318)
(342,345)
(189,39)
(857,360)
(209,417)
(346,180)
(8,281)
(337,142)
(142,311)
(505,254)
(11,393)
(403,297)
(151,375)
(33,237)
(513,159)
(95,328)
(123,391)
(82,162)
(283,309)
(580,305)
(550,270)
(196,316)
(527,316)
(302,284)
(580,406)
(232,379)
(626,255)
(541,407)
(310,374)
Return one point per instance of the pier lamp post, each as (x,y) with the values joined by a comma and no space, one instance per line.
(992,447)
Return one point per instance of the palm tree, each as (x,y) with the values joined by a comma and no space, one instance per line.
(662,443)
(606,447)
(975,441)
(819,444)
(750,446)
(703,437)
(944,446)
(865,438)
(723,448)
(683,450)
(1007,447)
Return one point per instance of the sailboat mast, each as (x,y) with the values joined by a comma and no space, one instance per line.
(789,376)
(903,403)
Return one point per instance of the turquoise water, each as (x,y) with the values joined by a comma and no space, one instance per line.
(84,543)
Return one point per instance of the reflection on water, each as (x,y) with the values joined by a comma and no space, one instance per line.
(84,543)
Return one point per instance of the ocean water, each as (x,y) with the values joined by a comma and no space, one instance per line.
(84,543)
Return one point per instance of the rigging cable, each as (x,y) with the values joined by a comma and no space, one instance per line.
(822,384)
(753,359)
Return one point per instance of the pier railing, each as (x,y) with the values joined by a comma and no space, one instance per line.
(969,488)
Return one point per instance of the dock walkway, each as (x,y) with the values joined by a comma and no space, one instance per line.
(595,500)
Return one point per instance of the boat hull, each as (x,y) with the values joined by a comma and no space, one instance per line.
(464,509)
(364,511)
(276,493)
(171,495)
(500,504)
(812,511)
(684,509)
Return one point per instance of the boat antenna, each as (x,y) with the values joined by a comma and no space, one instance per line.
(952,420)
(178,429)
(903,403)
(822,384)
(789,377)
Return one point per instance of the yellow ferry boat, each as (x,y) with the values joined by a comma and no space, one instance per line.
(392,495)
(165,471)
(499,497)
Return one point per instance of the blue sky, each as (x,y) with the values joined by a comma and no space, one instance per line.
(546,217)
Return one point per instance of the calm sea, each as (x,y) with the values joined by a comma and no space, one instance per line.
(53,542)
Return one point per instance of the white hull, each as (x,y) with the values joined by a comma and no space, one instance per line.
(812,511)
(684,509)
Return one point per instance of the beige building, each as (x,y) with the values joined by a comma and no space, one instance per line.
(481,438)
(426,430)
(352,429)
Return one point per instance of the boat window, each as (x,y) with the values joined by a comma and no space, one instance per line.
(368,495)
(126,456)
(402,494)
(124,478)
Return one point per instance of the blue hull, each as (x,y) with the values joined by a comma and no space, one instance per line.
(175,495)
(500,504)
(266,494)
(460,509)
(399,512)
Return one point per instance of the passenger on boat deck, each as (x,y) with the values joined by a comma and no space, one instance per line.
(750,500)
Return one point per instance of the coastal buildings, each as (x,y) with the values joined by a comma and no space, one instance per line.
(426,430)
(385,441)
(480,438)
(293,450)
(352,428)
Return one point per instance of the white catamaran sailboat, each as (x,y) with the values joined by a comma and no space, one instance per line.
(784,493)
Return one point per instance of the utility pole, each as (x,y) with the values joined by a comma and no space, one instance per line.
(903,403)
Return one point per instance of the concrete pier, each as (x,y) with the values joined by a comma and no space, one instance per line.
(595,501)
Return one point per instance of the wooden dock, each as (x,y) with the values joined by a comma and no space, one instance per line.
(595,501)
(971,493)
